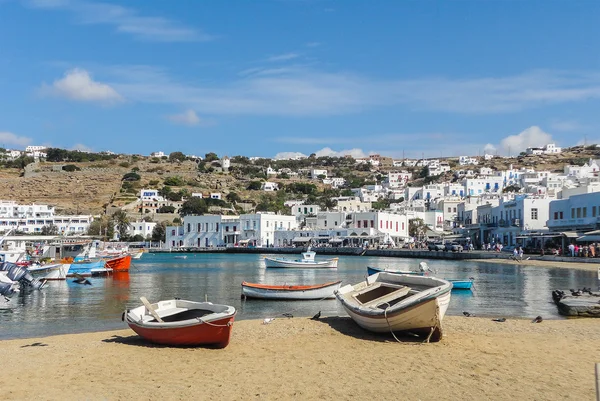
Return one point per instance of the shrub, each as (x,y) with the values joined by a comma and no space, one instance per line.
(131,177)
(71,167)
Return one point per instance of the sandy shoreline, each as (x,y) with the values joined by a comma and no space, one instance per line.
(542,263)
(303,359)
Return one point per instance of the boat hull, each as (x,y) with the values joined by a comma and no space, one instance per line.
(375,270)
(120,264)
(57,271)
(284,263)
(458,285)
(257,291)
(186,323)
(85,268)
(388,302)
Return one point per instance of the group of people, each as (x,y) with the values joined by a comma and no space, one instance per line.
(496,247)
(584,251)
(518,253)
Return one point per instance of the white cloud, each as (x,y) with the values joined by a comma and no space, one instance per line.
(125,20)
(313,44)
(301,91)
(531,137)
(82,147)
(332,153)
(283,57)
(77,84)
(489,149)
(188,117)
(8,138)
(288,155)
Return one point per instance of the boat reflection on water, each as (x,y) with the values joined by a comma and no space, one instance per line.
(120,285)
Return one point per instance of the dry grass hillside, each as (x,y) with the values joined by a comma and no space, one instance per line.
(99,185)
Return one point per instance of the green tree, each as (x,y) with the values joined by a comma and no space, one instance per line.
(50,230)
(211,156)
(347,192)
(416,227)
(254,185)
(70,168)
(166,209)
(159,232)
(176,157)
(102,227)
(511,188)
(233,197)
(131,177)
(194,206)
(121,222)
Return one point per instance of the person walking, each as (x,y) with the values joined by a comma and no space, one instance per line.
(520,253)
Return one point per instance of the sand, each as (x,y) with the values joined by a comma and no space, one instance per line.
(303,359)
(543,263)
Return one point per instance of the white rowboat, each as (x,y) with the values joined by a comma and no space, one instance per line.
(388,302)
(290,292)
(56,271)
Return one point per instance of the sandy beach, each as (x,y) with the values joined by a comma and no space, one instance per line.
(542,263)
(302,359)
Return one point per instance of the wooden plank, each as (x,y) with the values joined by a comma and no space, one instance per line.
(151,309)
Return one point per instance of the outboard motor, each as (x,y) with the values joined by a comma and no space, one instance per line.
(8,287)
(21,274)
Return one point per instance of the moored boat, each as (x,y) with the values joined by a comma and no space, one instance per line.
(136,255)
(84,267)
(8,287)
(53,271)
(180,322)
(119,264)
(388,302)
(460,284)
(290,292)
(374,270)
(307,261)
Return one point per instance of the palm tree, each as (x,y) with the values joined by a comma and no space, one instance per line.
(121,221)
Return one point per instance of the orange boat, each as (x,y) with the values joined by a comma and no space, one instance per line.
(120,264)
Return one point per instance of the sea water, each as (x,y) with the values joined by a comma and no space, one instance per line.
(508,290)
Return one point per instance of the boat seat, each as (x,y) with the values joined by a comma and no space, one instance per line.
(399,293)
(168,312)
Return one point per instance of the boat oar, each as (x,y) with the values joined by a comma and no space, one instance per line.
(151,309)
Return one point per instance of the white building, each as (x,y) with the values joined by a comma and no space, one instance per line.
(483,185)
(31,148)
(271,171)
(466,160)
(438,168)
(335,182)
(206,231)
(32,218)
(488,156)
(270,186)
(351,204)
(485,171)
(157,154)
(225,163)
(258,229)
(143,228)
(315,173)
(150,195)
(577,213)
(397,179)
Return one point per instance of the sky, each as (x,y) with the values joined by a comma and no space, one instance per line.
(279,77)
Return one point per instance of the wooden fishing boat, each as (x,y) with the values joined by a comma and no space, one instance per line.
(389,302)
(84,267)
(290,292)
(54,271)
(119,264)
(307,261)
(180,322)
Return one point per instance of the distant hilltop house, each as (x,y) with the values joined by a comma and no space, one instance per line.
(466,160)
(157,154)
(549,149)
(270,186)
(225,163)
(31,148)
(487,156)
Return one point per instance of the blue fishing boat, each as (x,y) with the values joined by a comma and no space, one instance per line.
(85,267)
(459,284)
(373,270)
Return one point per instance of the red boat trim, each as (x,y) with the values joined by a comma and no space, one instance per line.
(289,287)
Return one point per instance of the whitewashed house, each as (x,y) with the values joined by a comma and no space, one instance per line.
(270,186)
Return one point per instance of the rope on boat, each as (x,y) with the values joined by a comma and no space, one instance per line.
(388,322)
(215,325)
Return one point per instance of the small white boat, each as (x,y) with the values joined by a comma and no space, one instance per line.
(137,255)
(180,257)
(388,302)
(307,261)
(55,271)
(290,292)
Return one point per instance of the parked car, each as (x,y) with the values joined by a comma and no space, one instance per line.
(453,246)
(435,246)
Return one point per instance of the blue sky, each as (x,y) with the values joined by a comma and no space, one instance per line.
(258,78)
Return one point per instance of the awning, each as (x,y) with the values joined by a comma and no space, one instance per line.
(589,238)
(572,234)
(302,239)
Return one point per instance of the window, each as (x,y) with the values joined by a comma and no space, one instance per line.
(593,211)
(372,223)
(199,227)
(189,227)
(358,224)
(454,210)
(578,212)
(325,223)
(217,227)
(449,210)
(335,223)
(585,212)
(572,213)
(561,215)
(534,214)
(267,222)
(555,215)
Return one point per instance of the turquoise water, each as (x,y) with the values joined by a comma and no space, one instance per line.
(65,307)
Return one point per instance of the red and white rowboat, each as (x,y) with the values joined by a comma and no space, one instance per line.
(180,322)
(296,292)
